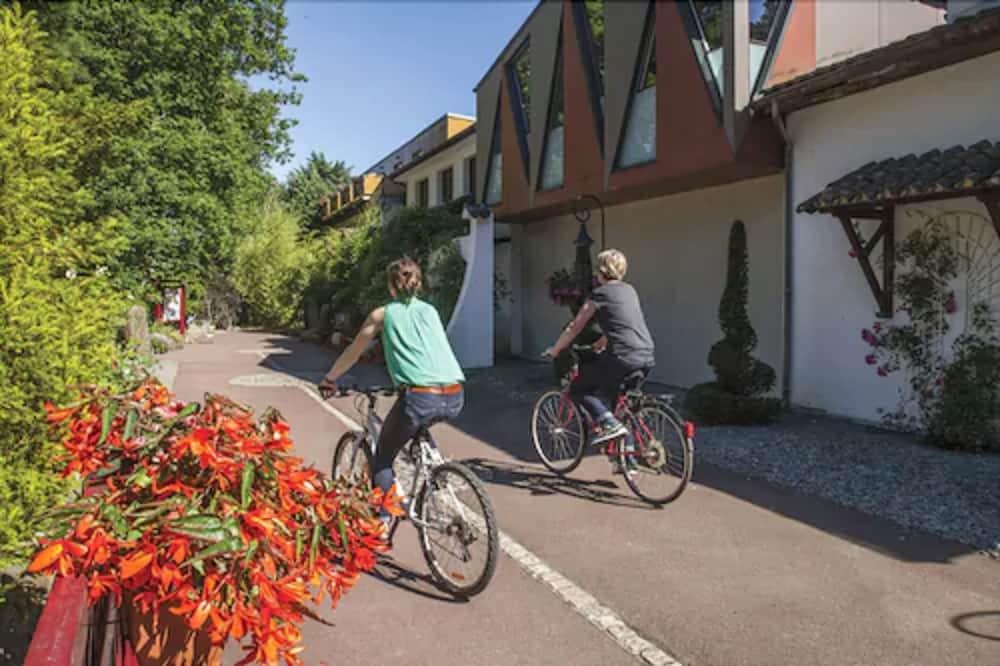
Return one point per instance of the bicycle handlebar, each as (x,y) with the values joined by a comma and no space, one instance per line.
(368,391)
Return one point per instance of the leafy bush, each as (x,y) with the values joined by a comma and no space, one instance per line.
(272,267)
(349,270)
(741,379)
(954,393)
(58,312)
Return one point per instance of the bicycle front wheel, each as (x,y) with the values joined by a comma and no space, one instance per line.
(559,432)
(458,530)
(659,467)
(351,460)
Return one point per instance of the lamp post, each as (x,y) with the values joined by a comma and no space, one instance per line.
(583,265)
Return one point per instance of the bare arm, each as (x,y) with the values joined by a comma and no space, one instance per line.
(371,328)
(574,329)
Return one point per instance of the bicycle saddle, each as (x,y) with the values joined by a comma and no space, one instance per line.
(634,380)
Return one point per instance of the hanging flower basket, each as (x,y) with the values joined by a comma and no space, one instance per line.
(564,288)
(205,527)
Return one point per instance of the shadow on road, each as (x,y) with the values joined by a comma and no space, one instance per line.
(498,416)
(392,573)
(542,482)
(981,624)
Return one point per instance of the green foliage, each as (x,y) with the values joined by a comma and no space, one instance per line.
(272,267)
(731,358)
(954,389)
(307,186)
(351,260)
(58,314)
(178,141)
(736,396)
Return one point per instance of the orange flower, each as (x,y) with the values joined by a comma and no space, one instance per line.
(61,555)
(136,563)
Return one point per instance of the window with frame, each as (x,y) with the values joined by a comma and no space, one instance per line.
(638,143)
(766,20)
(494,173)
(553,152)
(470,176)
(519,75)
(446,185)
(589,17)
(423,193)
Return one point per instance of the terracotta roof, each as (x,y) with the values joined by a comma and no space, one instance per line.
(955,172)
(932,49)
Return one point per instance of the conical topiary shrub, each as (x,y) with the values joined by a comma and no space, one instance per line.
(736,396)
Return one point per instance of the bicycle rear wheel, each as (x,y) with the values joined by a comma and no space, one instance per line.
(660,467)
(559,432)
(458,530)
(351,460)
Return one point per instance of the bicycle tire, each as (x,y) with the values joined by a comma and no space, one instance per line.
(537,431)
(687,448)
(350,442)
(479,583)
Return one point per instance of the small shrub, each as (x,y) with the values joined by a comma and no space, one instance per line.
(710,404)
(741,379)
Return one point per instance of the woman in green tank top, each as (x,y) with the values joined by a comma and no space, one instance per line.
(419,360)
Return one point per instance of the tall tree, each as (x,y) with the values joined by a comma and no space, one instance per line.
(185,154)
(307,186)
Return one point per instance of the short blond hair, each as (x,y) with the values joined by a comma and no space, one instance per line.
(612,264)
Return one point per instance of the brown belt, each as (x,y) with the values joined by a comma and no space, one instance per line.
(437,390)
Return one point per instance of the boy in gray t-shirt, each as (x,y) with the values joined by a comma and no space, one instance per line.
(627,344)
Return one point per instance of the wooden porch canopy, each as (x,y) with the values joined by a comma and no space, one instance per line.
(872,192)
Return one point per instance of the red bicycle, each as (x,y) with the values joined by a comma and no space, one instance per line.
(657,459)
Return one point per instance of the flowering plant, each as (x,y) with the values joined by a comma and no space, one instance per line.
(949,384)
(203,511)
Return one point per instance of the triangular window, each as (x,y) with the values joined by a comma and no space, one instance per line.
(519,76)
(553,165)
(638,145)
(494,172)
(708,37)
(767,18)
(589,17)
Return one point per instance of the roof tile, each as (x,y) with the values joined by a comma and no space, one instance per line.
(957,170)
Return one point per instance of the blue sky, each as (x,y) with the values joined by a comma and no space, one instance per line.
(381,71)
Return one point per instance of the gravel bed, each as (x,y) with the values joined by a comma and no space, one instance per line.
(953,495)
(891,475)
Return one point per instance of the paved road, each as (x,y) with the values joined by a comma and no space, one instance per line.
(736,572)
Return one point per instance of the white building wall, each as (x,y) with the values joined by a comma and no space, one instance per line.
(454,156)
(831,300)
(677,251)
(847,27)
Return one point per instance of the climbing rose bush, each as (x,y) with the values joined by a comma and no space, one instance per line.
(204,512)
(953,389)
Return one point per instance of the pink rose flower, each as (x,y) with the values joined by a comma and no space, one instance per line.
(870,359)
(951,305)
(882,372)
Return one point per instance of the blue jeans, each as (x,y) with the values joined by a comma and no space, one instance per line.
(411,412)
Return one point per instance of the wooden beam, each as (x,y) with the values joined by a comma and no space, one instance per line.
(882,299)
(888,229)
(876,237)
